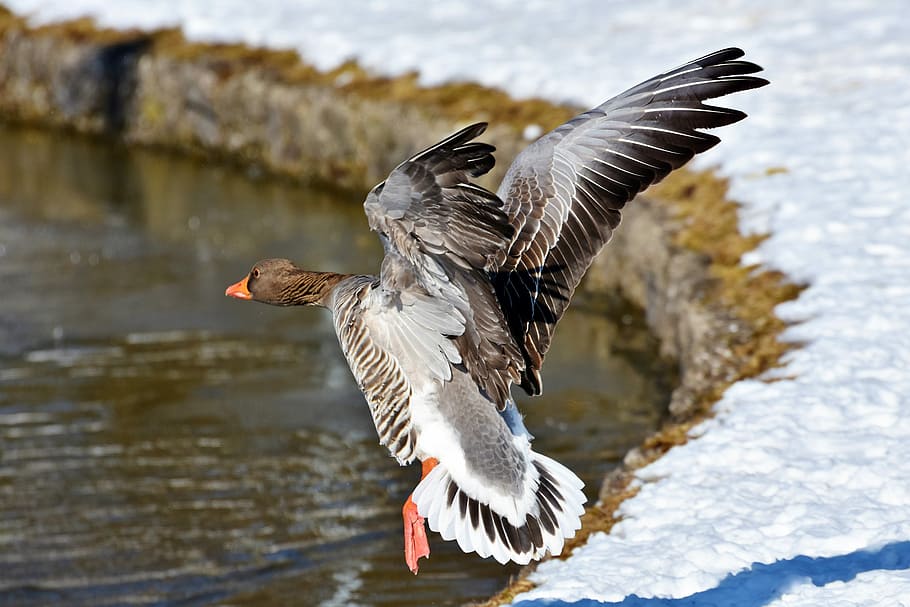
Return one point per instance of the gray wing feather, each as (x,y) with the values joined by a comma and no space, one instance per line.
(564,193)
(441,235)
(427,205)
(378,373)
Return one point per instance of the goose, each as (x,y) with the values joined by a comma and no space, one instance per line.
(471,288)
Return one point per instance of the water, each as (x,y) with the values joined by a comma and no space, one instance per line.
(163,444)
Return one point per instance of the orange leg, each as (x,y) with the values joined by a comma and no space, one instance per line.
(415,533)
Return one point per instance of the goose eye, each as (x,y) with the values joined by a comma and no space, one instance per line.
(255,273)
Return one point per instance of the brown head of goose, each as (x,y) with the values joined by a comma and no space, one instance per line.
(280,282)
(470,291)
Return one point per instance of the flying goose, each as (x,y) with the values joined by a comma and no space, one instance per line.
(470,291)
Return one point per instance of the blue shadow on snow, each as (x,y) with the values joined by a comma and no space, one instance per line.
(760,584)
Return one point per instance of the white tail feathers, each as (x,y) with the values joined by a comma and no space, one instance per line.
(554,515)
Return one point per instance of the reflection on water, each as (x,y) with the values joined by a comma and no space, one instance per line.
(161,444)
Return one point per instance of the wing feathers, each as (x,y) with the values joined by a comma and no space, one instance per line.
(378,374)
(505,266)
(577,178)
(441,233)
(427,206)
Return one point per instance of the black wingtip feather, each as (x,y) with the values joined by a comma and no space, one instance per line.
(726,54)
(723,117)
(744,67)
(453,141)
(472,131)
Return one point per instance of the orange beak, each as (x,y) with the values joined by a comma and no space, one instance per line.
(239,290)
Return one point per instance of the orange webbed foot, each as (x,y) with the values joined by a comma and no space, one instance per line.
(416,545)
(415,536)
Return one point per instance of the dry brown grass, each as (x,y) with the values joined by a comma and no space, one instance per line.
(8,19)
(747,293)
(83,30)
(456,100)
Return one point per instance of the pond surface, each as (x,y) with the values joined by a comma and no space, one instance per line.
(162,444)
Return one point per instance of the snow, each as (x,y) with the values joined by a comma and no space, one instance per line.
(797,492)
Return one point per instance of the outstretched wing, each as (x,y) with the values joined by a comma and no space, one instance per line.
(442,234)
(563,194)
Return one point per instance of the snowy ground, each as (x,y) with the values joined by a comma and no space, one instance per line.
(798,492)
